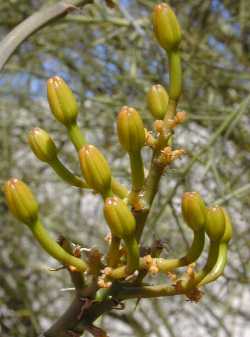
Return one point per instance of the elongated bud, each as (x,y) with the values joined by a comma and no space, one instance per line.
(193,210)
(130,129)
(42,145)
(119,218)
(62,102)
(166,27)
(215,223)
(157,100)
(228,233)
(95,169)
(21,201)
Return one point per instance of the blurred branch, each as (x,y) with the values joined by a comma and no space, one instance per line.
(34,23)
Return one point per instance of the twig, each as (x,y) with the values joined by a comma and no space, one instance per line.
(34,23)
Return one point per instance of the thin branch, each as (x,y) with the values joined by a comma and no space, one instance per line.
(34,23)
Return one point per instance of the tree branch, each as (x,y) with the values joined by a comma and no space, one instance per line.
(34,23)
(75,320)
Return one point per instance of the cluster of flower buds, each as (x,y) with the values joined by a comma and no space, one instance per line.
(126,211)
(216,223)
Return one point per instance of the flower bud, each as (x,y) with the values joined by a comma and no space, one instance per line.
(166,27)
(119,218)
(193,210)
(130,129)
(42,145)
(62,101)
(95,169)
(157,100)
(215,223)
(21,201)
(228,233)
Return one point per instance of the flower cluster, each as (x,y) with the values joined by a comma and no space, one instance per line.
(119,273)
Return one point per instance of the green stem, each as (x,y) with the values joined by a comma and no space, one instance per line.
(126,292)
(77,278)
(152,181)
(107,194)
(113,255)
(196,248)
(66,175)
(166,265)
(150,189)
(133,254)
(211,261)
(54,249)
(118,189)
(137,171)
(219,267)
(188,283)
(76,136)
(175,73)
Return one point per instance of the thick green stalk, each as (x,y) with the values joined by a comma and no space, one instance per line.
(126,292)
(137,171)
(175,73)
(76,136)
(211,261)
(66,175)
(132,254)
(166,265)
(152,181)
(196,248)
(150,189)
(54,249)
(118,189)
(188,283)
(219,267)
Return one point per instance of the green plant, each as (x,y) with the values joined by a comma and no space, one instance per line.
(103,281)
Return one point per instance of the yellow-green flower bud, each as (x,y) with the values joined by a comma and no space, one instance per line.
(228,233)
(157,100)
(166,27)
(21,201)
(130,129)
(119,218)
(62,102)
(42,145)
(215,223)
(95,169)
(193,210)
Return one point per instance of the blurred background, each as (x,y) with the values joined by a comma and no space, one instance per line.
(110,58)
